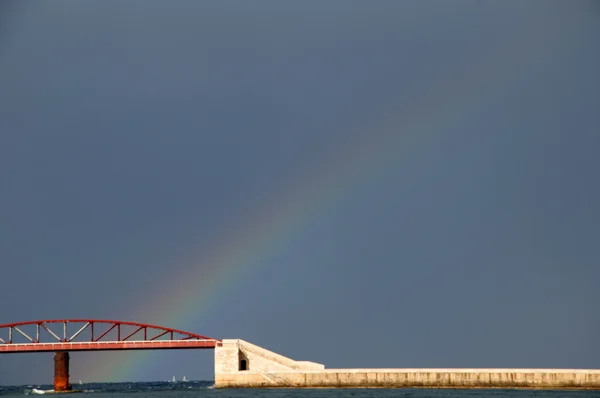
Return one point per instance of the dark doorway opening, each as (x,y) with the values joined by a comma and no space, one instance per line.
(243,364)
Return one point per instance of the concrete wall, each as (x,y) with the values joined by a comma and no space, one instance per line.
(406,378)
(268,369)
(229,355)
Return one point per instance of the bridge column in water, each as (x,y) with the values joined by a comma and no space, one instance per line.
(61,371)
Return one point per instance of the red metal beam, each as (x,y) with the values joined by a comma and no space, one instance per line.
(132,333)
(107,330)
(109,346)
(160,335)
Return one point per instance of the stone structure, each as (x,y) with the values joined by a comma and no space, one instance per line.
(241,364)
(61,371)
(236,356)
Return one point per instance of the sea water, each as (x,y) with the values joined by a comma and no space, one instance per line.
(205,389)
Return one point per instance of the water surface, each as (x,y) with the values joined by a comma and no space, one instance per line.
(204,389)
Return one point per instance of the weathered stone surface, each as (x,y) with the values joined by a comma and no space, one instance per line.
(229,355)
(268,369)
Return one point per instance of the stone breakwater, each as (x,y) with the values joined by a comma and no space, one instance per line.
(239,364)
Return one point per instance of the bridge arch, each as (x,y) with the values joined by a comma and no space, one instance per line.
(95,335)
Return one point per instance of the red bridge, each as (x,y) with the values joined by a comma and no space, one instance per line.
(61,336)
(95,335)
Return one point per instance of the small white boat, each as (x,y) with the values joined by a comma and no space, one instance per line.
(37,391)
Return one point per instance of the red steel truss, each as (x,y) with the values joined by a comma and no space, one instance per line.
(95,335)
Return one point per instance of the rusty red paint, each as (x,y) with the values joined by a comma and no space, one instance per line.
(61,371)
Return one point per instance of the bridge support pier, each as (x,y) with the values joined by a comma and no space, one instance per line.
(61,371)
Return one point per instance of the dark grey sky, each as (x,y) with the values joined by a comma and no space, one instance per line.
(134,135)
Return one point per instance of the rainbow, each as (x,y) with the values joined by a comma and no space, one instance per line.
(368,153)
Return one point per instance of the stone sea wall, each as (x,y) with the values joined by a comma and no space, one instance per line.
(239,364)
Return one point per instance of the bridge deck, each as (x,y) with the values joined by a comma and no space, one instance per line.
(108,346)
